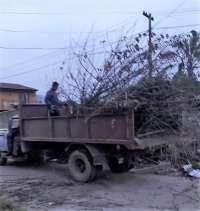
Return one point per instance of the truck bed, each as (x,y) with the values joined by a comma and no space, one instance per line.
(102,129)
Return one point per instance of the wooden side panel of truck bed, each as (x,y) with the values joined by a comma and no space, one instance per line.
(101,129)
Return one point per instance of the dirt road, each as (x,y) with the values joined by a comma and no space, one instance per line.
(48,187)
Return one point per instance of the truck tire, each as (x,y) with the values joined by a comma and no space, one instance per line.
(80,166)
(97,170)
(3,160)
(119,168)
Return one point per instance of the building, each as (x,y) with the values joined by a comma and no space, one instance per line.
(11,94)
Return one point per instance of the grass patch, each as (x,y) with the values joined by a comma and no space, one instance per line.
(7,206)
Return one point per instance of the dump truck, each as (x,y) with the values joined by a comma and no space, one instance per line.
(86,144)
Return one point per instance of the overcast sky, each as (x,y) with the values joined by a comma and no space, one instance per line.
(45,27)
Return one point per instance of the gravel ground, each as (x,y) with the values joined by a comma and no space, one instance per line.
(48,187)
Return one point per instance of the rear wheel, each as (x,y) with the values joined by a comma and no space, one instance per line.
(3,160)
(119,168)
(80,166)
(97,170)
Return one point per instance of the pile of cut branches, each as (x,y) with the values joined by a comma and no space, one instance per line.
(122,81)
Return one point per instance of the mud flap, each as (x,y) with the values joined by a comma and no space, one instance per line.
(99,158)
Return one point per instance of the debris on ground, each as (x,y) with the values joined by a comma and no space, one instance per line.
(160,168)
(40,189)
(196,165)
(7,206)
(193,169)
(195,173)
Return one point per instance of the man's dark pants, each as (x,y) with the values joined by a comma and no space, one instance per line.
(53,113)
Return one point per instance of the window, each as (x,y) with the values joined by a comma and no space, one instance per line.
(24,98)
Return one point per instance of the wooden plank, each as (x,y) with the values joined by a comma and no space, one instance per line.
(68,127)
(51,127)
(151,169)
(157,140)
(150,133)
(127,127)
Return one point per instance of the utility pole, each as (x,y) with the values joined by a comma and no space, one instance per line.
(150,44)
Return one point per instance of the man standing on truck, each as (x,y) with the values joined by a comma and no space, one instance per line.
(52,101)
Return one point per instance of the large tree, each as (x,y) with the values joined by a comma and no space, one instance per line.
(188,50)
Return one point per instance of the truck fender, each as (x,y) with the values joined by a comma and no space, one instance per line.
(25,146)
(3,140)
(99,158)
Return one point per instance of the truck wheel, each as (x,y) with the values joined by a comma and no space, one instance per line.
(97,170)
(2,160)
(80,166)
(119,168)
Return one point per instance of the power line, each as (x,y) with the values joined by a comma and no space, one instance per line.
(43,48)
(30,70)
(88,53)
(84,32)
(60,14)
(43,60)
(103,33)
(32,48)
(65,48)
(179,18)
(45,66)
(28,60)
(179,11)
(170,13)
(64,32)
(43,32)
(25,67)
(171,27)
(37,48)
(103,13)
(155,29)
(90,46)
(41,67)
